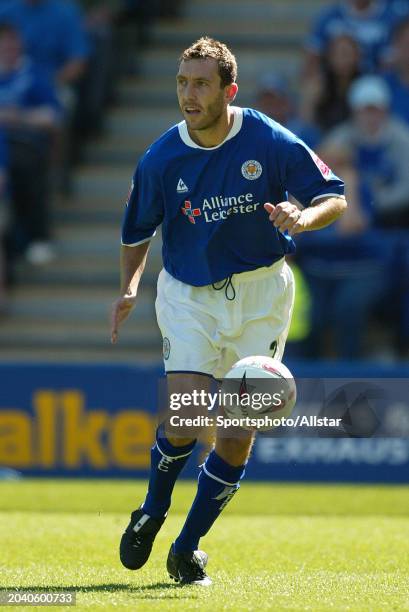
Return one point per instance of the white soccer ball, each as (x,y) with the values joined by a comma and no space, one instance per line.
(257,393)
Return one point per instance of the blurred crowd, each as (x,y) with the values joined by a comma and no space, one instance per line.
(352,107)
(59,63)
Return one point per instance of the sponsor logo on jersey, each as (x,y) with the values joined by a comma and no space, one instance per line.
(217,208)
(190,212)
(322,166)
(251,169)
(181,187)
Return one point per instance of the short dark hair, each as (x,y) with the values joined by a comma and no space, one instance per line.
(206,48)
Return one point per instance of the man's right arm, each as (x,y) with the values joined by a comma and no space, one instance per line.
(133,260)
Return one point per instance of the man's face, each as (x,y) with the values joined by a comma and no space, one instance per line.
(370,119)
(201,98)
(10,48)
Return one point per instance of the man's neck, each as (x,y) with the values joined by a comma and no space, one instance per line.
(215,135)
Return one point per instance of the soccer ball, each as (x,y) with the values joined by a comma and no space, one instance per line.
(257,393)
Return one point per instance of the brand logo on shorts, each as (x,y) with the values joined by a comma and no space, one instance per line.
(166,348)
(190,212)
(251,170)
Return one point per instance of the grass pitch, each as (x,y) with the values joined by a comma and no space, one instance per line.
(276,547)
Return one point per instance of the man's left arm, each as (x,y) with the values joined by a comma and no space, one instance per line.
(286,216)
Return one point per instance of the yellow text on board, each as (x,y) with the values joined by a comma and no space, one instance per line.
(62,432)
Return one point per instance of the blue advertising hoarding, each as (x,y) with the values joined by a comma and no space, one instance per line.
(100,421)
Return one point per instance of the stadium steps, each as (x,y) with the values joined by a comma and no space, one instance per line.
(274,12)
(73,304)
(84,335)
(59,312)
(85,257)
(163,61)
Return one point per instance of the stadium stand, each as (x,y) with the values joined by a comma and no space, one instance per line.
(60,311)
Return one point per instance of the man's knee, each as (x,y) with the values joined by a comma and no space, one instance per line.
(176,441)
(182,434)
(235,451)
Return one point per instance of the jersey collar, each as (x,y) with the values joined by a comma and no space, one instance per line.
(235,129)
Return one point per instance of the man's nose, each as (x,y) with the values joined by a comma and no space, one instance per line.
(190,93)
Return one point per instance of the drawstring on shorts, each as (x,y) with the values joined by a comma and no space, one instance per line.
(226,285)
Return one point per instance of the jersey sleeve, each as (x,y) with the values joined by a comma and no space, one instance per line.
(145,207)
(306,176)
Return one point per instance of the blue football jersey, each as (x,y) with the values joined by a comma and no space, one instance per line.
(210,200)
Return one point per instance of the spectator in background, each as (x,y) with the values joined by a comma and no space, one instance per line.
(398,75)
(325,94)
(274,99)
(53,35)
(141,13)
(370,22)
(3,220)
(29,111)
(364,258)
(378,146)
(345,270)
(97,85)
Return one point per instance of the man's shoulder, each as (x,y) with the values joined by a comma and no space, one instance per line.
(163,149)
(256,120)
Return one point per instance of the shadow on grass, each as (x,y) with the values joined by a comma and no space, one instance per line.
(148,591)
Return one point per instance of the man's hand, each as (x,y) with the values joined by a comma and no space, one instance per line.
(285,216)
(120,311)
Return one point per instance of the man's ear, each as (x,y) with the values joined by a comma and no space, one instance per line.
(231,92)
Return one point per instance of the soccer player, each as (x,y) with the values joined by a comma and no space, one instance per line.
(217,182)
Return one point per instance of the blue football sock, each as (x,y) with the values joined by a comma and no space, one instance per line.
(167,462)
(218,482)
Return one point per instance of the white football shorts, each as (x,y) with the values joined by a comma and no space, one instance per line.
(207,333)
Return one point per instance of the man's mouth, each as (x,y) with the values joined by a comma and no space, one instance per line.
(192,111)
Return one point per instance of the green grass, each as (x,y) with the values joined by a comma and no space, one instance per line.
(276,547)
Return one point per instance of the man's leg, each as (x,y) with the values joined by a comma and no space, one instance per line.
(173,446)
(219,480)
(168,457)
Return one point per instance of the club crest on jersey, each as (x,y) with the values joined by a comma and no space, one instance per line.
(190,212)
(251,170)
